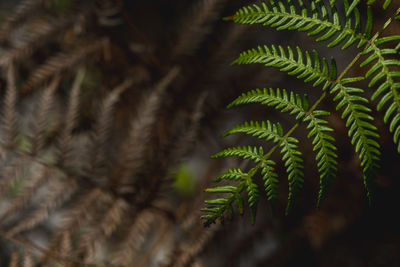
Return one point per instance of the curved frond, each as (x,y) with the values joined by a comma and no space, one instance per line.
(288,145)
(270,178)
(253,195)
(217,207)
(58,195)
(244,152)
(302,65)
(231,174)
(285,15)
(71,118)
(264,130)
(280,99)
(362,132)
(326,156)
(9,116)
(297,106)
(384,75)
(44,108)
(294,167)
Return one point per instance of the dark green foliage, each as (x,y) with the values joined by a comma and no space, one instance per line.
(302,67)
(323,21)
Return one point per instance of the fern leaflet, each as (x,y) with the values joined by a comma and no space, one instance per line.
(299,106)
(309,70)
(361,131)
(284,15)
(382,75)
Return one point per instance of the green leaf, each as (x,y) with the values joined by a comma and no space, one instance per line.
(315,20)
(299,64)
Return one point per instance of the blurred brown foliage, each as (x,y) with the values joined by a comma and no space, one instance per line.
(104,100)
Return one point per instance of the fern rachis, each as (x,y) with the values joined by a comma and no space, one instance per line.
(363,134)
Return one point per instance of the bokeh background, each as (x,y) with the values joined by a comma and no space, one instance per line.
(156,161)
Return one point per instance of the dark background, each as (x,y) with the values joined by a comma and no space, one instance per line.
(148,39)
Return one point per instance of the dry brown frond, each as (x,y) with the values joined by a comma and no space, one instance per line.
(75,216)
(104,227)
(28,261)
(37,179)
(34,34)
(20,13)
(44,107)
(134,239)
(59,193)
(61,62)
(10,174)
(102,128)
(65,139)
(196,27)
(9,108)
(14,260)
(131,156)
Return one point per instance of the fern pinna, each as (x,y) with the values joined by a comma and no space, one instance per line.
(323,21)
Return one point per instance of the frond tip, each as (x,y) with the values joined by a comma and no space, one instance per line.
(362,132)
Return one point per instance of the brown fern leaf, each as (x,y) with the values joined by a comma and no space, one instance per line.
(65,245)
(10,173)
(20,13)
(9,109)
(44,107)
(59,193)
(102,129)
(14,260)
(61,62)
(75,216)
(134,146)
(34,34)
(188,249)
(65,138)
(185,138)
(28,261)
(102,228)
(37,179)
(196,27)
(134,239)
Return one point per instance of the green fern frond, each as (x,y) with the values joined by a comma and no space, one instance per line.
(285,15)
(288,145)
(252,192)
(294,167)
(216,208)
(326,156)
(305,66)
(264,130)
(280,99)
(235,174)
(248,152)
(298,106)
(382,75)
(270,178)
(362,132)
(322,20)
